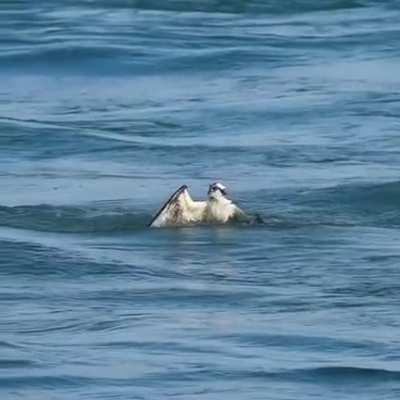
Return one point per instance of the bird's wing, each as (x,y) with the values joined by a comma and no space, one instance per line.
(239,215)
(180,209)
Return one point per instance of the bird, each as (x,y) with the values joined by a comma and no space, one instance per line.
(180,209)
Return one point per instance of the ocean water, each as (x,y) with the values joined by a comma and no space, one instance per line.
(106,107)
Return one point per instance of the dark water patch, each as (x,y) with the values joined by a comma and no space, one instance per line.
(48,382)
(349,375)
(7,364)
(306,343)
(389,258)
(381,288)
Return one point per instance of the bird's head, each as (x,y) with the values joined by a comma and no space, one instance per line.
(216,191)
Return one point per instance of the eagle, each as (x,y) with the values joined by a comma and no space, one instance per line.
(181,209)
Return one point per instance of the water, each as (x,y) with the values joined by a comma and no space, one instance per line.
(107,107)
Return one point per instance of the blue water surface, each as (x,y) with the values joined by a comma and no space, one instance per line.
(106,107)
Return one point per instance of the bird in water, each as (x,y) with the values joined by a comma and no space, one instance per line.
(181,209)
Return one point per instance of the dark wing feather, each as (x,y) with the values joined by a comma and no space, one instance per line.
(172,204)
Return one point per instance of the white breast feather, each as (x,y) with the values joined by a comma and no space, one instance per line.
(219,211)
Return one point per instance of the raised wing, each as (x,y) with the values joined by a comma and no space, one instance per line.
(180,209)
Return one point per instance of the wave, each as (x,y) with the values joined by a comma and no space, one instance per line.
(64,219)
(234,6)
(351,205)
(319,375)
(76,59)
(147,42)
(348,374)
(216,6)
(364,204)
(93,61)
(334,375)
(370,194)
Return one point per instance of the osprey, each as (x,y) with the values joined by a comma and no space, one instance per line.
(181,209)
